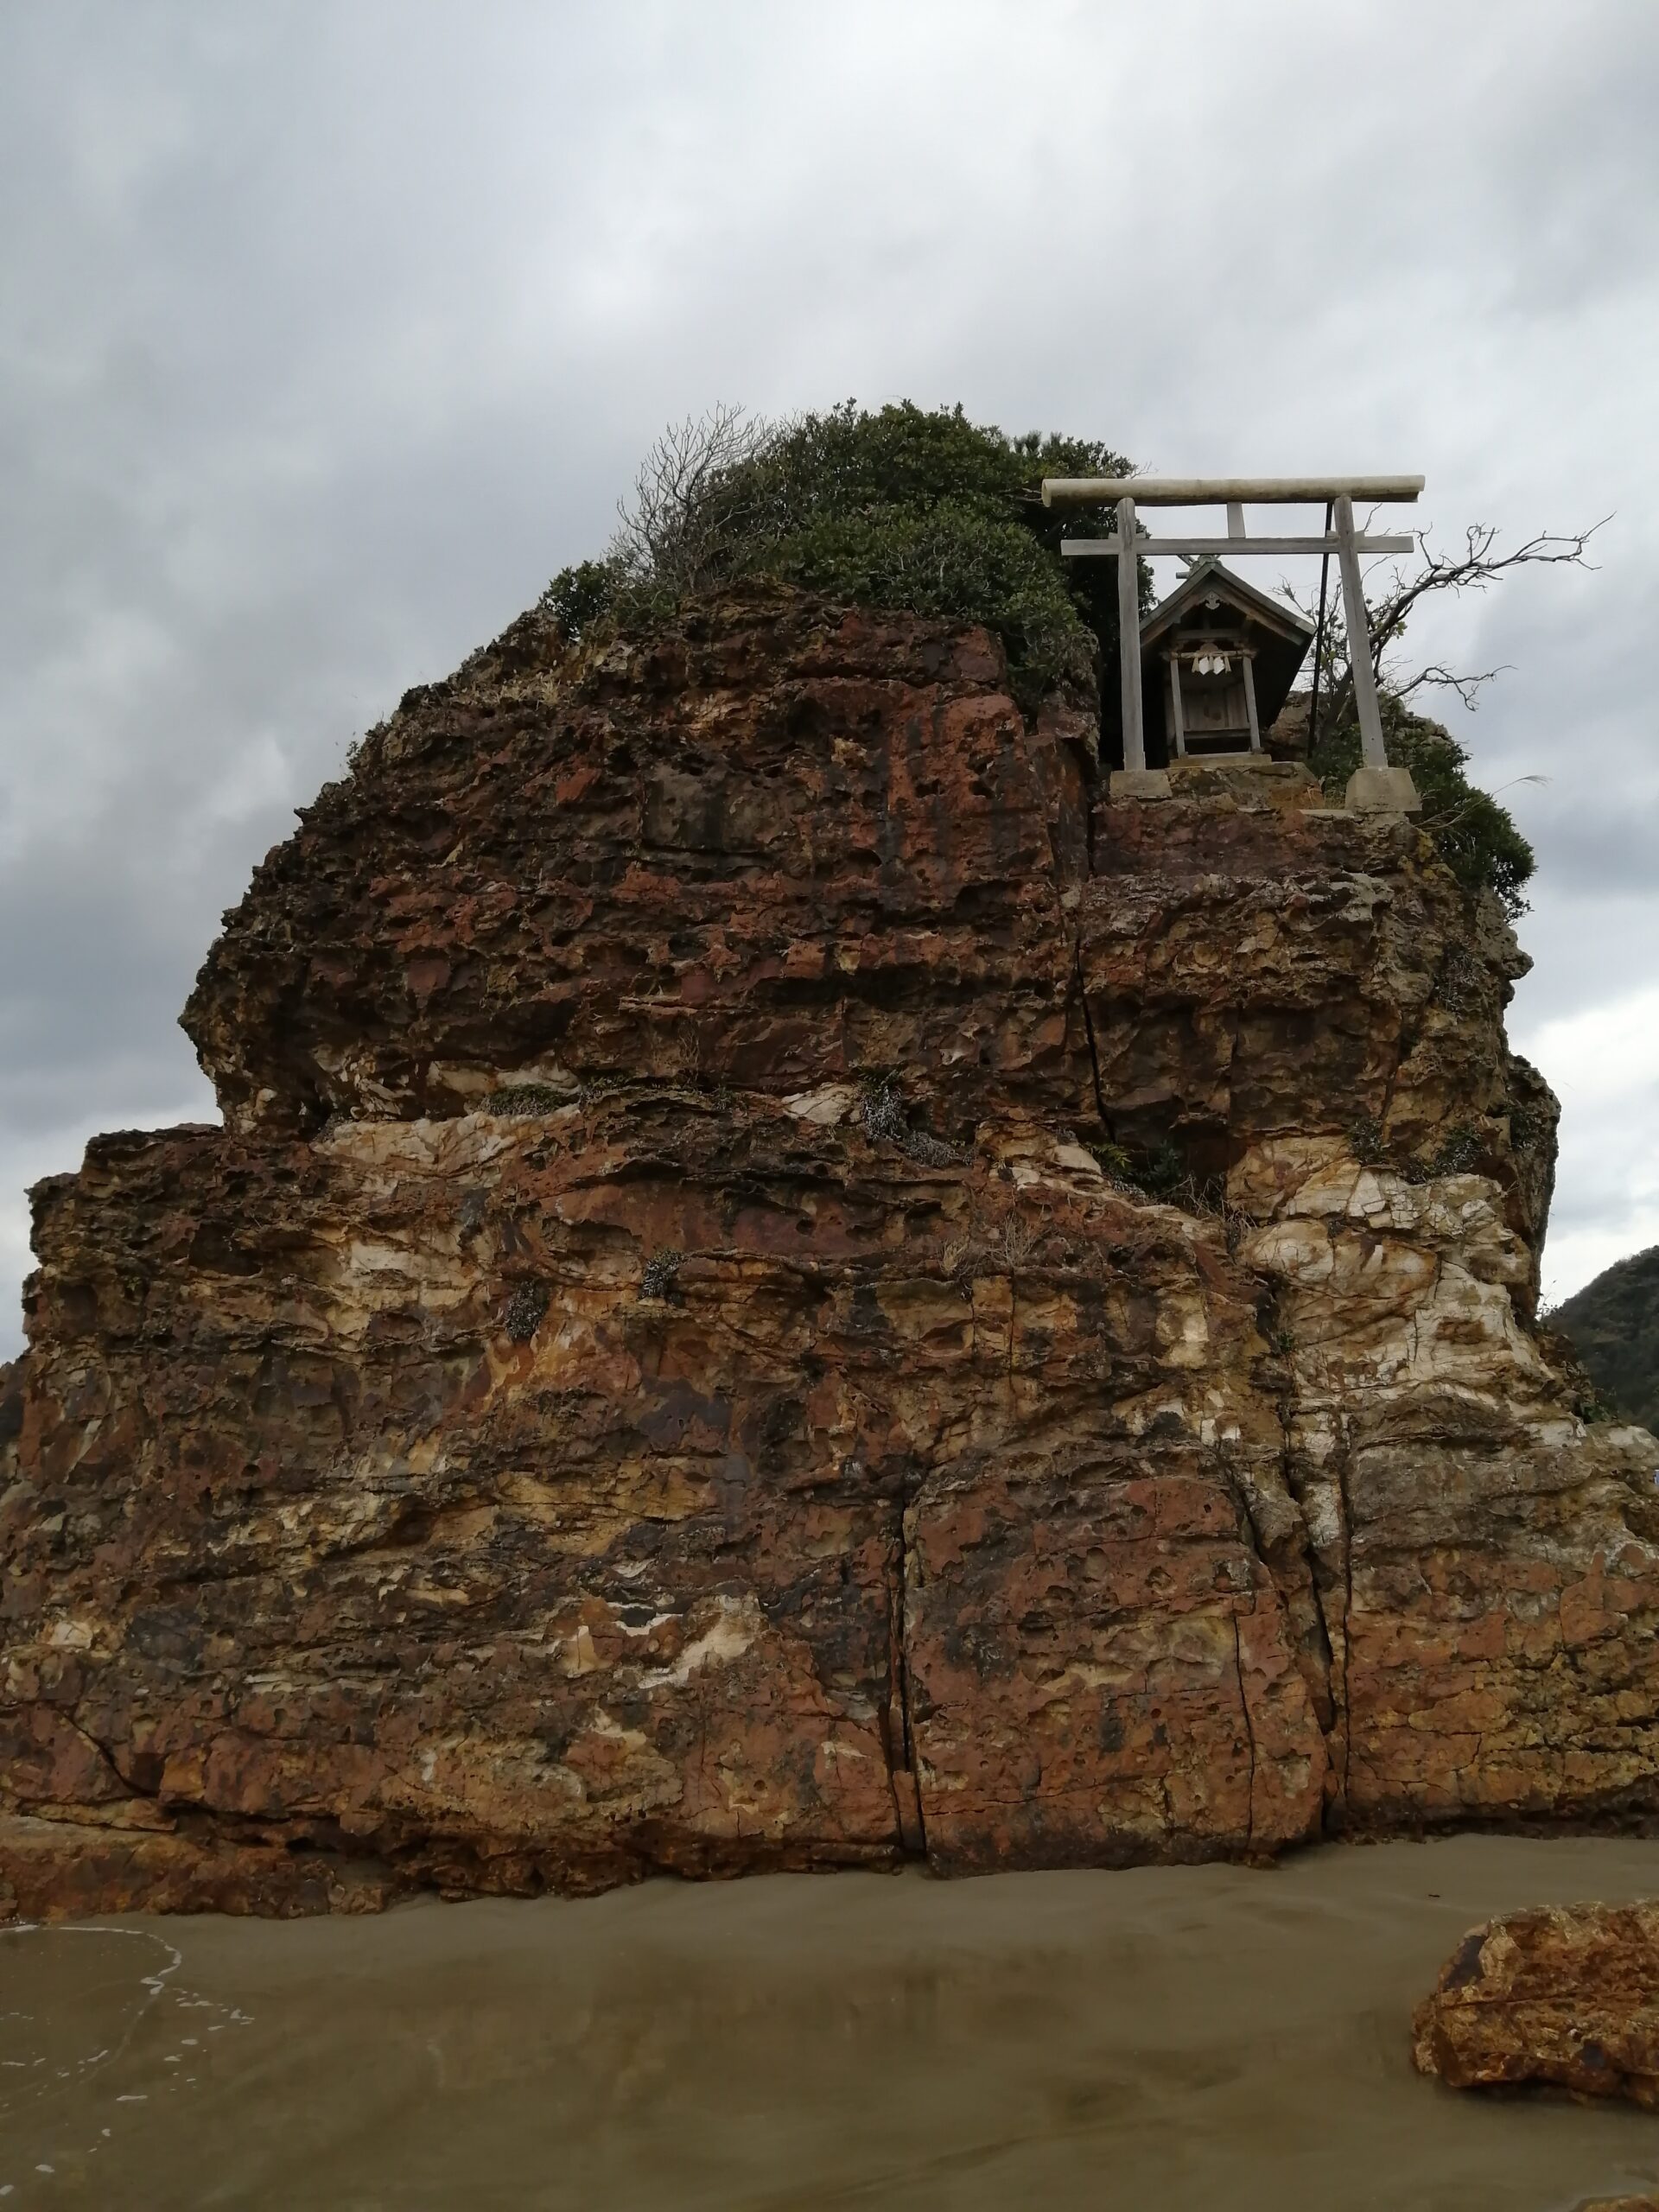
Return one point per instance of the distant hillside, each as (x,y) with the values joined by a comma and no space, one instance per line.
(1614,1324)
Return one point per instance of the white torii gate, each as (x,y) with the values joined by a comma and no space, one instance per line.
(1392,787)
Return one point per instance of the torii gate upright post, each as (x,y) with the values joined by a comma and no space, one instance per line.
(1129,626)
(1375,784)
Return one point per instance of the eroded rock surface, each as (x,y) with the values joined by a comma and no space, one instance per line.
(783,1286)
(1561,1996)
(761,849)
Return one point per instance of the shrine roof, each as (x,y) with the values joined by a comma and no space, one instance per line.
(1210,574)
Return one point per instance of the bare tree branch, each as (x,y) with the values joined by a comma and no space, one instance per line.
(1476,566)
(1434,678)
(1455,815)
(685,504)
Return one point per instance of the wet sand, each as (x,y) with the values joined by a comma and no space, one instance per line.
(1165,2038)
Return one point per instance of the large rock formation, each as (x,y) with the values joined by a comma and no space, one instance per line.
(785,1285)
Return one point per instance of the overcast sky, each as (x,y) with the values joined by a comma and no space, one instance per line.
(330,329)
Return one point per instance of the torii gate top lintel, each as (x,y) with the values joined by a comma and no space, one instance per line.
(1235,493)
(1220,491)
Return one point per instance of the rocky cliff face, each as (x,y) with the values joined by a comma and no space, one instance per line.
(785,1285)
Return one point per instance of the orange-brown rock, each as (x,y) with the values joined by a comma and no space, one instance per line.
(762,849)
(785,1286)
(1562,1997)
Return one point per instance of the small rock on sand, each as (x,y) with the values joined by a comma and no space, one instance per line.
(1565,1997)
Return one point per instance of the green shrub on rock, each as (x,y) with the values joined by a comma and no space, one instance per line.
(1475,836)
(902,508)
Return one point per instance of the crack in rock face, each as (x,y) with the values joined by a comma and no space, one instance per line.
(675,1359)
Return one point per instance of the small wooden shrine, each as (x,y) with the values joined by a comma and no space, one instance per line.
(1218,660)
